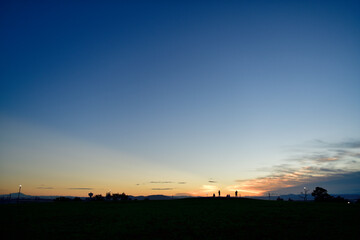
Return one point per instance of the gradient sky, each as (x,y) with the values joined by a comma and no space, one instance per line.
(179,97)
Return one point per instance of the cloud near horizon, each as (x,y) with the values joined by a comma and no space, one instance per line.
(182,194)
(80,188)
(205,189)
(161,182)
(344,144)
(161,189)
(331,163)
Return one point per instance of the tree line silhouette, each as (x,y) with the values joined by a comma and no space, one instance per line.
(320,195)
(98,197)
(109,197)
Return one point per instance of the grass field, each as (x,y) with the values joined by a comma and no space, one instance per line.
(181,219)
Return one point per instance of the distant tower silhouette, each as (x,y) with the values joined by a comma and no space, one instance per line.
(219,193)
(236,192)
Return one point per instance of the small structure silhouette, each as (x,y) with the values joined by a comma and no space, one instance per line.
(219,193)
(213,194)
(236,192)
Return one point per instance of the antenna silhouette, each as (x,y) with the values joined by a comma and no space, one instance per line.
(19,193)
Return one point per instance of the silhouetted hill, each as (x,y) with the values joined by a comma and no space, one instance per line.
(298,197)
(191,218)
(24,196)
(15,196)
(151,197)
(295,197)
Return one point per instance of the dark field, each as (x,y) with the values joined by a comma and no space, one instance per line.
(181,219)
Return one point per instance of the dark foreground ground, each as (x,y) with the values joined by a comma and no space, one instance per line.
(181,219)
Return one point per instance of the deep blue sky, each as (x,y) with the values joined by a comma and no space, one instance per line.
(210,87)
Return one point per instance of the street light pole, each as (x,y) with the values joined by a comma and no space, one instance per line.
(19,193)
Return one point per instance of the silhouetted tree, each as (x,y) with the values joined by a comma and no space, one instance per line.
(116,196)
(339,199)
(77,199)
(279,199)
(62,199)
(98,197)
(321,195)
(108,196)
(124,197)
(90,194)
(304,194)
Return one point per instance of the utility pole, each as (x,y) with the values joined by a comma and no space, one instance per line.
(19,193)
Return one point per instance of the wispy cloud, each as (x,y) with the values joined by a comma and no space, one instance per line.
(211,180)
(348,144)
(80,188)
(327,159)
(344,144)
(209,188)
(161,189)
(331,162)
(181,182)
(48,188)
(182,194)
(204,190)
(161,182)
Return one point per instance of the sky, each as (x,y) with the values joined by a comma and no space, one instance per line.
(179,97)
